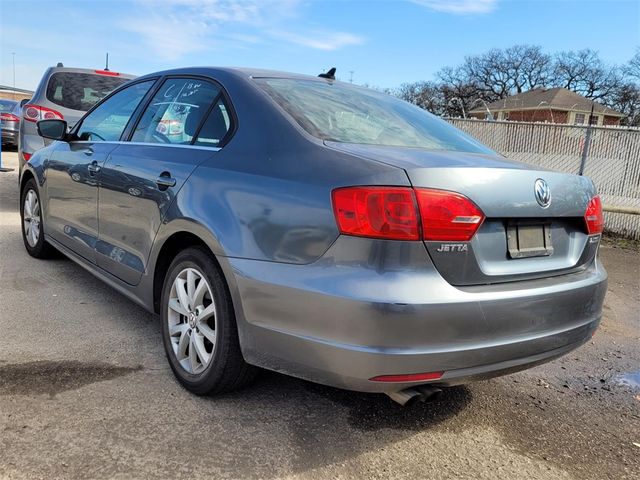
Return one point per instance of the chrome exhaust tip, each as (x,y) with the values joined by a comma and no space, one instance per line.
(410,396)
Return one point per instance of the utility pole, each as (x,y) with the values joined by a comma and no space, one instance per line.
(350,76)
(13,54)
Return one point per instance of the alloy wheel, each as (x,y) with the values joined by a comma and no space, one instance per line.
(31,218)
(192,320)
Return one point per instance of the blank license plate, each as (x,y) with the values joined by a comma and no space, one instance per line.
(529,240)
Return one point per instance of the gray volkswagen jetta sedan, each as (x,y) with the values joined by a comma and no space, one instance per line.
(316,228)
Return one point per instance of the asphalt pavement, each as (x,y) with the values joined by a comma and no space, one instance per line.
(86,392)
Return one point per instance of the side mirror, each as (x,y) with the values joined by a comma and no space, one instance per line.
(54,129)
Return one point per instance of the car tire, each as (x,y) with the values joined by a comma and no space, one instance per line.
(199,328)
(32,223)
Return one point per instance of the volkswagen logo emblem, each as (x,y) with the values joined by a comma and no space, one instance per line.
(542,192)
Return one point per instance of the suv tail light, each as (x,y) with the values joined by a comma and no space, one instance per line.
(9,117)
(448,216)
(107,72)
(593,217)
(404,213)
(33,113)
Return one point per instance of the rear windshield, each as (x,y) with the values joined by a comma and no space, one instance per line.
(7,105)
(344,113)
(80,91)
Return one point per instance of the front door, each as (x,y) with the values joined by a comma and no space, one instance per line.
(74,169)
(72,191)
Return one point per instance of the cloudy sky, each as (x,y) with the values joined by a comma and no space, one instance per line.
(383,42)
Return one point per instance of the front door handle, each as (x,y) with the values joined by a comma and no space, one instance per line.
(93,168)
(165,181)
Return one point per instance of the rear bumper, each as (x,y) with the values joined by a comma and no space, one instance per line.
(9,136)
(371,308)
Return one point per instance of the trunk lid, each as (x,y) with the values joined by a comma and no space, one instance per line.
(505,191)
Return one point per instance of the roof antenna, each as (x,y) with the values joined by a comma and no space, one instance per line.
(106,68)
(331,74)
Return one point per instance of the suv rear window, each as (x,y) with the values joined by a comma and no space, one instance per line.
(80,91)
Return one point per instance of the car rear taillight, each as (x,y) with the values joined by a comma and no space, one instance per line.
(9,117)
(408,377)
(169,127)
(33,113)
(593,217)
(26,156)
(404,213)
(447,216)
(107,72)
(377,212)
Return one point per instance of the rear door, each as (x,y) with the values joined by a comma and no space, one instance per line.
(143,176)
(74,168)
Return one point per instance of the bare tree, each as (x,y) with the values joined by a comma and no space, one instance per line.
(459,91)
(425,95)
(632,69)
(626,99)
(530,67)
(499,73)
(586,74)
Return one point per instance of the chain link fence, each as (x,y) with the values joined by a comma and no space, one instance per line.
(610,156)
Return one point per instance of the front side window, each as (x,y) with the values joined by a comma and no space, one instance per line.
(344,113)
(107,122)
(80,91)
(175,111)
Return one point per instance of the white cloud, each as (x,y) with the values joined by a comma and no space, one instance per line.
(459,7)
(172,29)
(320,39)
(170,37)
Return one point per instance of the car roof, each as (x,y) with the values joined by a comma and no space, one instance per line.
(235,71)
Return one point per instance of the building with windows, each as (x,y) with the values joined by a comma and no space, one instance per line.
(554,105)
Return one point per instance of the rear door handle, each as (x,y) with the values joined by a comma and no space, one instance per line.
(165,181)
(88,152)
(93,168)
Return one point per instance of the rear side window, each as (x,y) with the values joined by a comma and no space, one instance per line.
(176,111)
(80,91)
(107,122)
(215,127)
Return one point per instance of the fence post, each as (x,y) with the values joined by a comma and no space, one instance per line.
(587,141)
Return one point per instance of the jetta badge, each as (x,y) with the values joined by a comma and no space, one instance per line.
(542,192)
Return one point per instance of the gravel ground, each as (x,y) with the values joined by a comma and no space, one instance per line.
(86,392)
